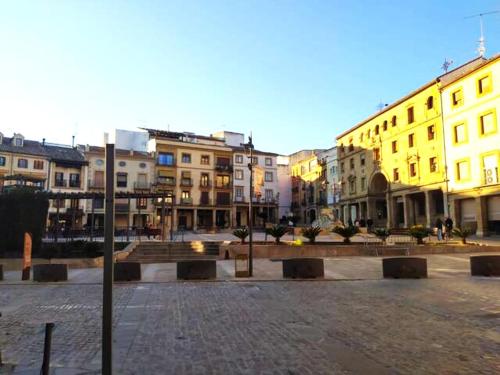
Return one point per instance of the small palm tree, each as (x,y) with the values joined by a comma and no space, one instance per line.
(382,233)
(346,232)
(277,231)
(311,233)
(419,232)
(241,233)
(462,233)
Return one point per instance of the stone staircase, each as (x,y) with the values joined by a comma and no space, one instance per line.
(166,252)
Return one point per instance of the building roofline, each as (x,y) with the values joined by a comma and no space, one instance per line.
(486,62)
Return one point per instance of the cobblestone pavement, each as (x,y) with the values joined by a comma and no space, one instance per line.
(432,326)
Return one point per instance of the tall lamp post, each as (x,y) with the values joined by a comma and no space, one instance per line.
(249,149)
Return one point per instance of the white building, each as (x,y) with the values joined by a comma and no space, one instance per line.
(284,186)
(329,158)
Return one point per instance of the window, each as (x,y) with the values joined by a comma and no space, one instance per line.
(141,203)
(61,203)
(98,203)
(395,174)
(352,185)
(462,170)
(361,137)
(362,159)
(121,179)
(205,159)
(369,133)
(394,147)
(22,163)
(222,181)
(269,195)
(430,102)
(413,169)
(204,198)
(238,159)
(363,183)
(411,115)
(165,158)
(459,133)
(59,179)
(384,126)
(457,98)
(166,180)
(186,178)
(185,194)
(377,130)
(239,191)
(255,160)
(38,164)
(433,166)
(411,140)
(122,163)
(74,180)
(431,132)
(18,141)
(484,85)
(351,163)
(333,169)
(487,124)
(268,177)
(342,167)
(2,161)
(186,158)
(394,121)
(376,154)
(351,146)
(269,162)
(204,180)
(142,165)
(238,174)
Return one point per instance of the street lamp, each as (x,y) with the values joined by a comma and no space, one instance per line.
(249,148)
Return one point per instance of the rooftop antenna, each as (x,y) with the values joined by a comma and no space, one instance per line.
(381,105)
(447,63)
(481,48)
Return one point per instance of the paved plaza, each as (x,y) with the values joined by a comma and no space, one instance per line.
(357,323)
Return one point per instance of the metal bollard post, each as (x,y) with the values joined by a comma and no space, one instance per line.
(46,348)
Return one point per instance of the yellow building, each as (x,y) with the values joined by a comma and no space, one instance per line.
(309,189)
(198,171)
(392,165)
(471,105)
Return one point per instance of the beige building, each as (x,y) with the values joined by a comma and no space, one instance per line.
(471,104)
(134,172)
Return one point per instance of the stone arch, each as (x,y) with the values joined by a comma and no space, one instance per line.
(379,183)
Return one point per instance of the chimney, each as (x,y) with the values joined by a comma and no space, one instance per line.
(106,138)
(43,141)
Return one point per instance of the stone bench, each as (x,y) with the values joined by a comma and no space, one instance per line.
(404,268)
(50,272)
(485,265)
(196,269)
(127,271)
(303,268)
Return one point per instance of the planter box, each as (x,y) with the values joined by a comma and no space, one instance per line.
(127,271)
(404,268)
(303,268)
(50,272)
(196,269)
(485,265)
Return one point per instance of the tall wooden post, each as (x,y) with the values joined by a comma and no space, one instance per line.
(27,256)
(109,238)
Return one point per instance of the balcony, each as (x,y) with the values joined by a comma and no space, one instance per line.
(96,184)
(158,202)
(240,199)
(186,182)
(165,181)
(142,185)
(205,202)
(75,211)
(224,168)
(219,185)
(187,201)
(60,183)
(490,176)
(223,202)
(75,184)
(121,207)
(205,184)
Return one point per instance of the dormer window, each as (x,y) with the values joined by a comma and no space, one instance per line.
(18,140)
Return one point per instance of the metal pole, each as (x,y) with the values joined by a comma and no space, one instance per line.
(57,218)
(128,219)
(92,221)
(46,348)
(171,218)
(109,237)
(250,213)
(163,218)
(138,229)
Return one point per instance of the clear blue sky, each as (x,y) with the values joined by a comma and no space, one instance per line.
(297,73)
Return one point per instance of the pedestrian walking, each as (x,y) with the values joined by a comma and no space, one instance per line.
(439,226)
(449,226)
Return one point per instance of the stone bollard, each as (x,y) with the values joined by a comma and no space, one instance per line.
(196,269)
(485,265)
(127,271)
(303,268)
(50,272)
(404,268)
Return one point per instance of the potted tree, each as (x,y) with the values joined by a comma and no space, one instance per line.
(241,233)
(311,233)
(346,232)
(462,233)
(382,234)
(277,231)
(419,232)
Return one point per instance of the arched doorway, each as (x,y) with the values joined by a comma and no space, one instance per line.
(377,203)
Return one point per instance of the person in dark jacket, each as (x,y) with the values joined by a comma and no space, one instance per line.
(439,226)
(449,226)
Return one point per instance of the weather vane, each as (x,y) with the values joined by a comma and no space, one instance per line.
(447,63)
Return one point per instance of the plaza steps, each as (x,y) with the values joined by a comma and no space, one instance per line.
(166,252)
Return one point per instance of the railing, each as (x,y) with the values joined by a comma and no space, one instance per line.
(121,207)
(76,211)
(60,183)
(95,184)
(205,184)
(186,182)
(142,185)
(188,201)
(205,202)
(239,199)
(490,176)
(165,181)
(223,186)
(172,163)
(223,202)
(223,168)
(75,184)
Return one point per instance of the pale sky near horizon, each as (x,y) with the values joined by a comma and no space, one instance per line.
(296,73)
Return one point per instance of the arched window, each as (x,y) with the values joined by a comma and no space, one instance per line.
(384,126)
(369,133)
(394,121)
(377,130)
(430,102)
